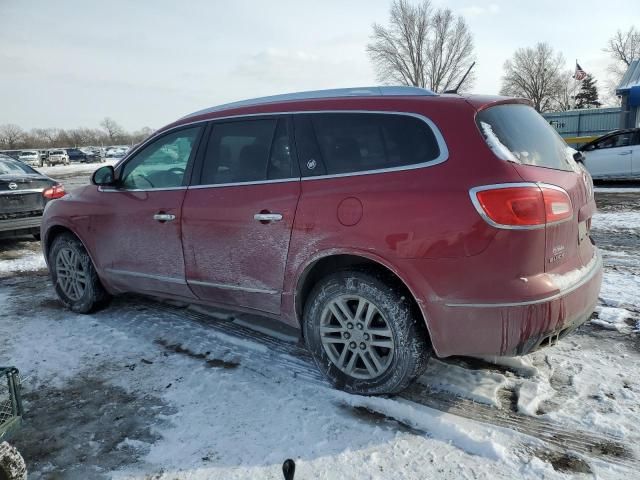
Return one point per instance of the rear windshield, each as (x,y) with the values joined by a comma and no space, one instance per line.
(519,134)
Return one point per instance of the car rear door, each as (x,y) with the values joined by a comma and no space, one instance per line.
(236,224)
(137,225)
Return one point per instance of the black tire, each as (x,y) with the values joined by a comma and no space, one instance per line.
(12,465)
(411,350)
(93,296)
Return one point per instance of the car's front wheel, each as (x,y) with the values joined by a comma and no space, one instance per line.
(74,276)
(364,333)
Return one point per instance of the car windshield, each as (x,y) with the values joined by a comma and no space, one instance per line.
(9,166)
(517,133)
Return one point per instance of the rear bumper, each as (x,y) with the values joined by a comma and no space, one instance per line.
(516,328)
(17,224)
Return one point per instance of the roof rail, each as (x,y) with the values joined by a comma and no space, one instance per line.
(385,91)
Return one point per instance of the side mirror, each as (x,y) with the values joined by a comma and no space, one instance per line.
(104,176)
(578,157)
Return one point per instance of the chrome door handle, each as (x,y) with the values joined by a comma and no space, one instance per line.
(268,217)
(164,217)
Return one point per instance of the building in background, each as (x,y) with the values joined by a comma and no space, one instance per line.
(629,92)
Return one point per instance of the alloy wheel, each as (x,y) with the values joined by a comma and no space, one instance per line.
(71,273)
(356,337)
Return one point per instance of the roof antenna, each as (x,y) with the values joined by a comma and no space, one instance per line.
(455,90)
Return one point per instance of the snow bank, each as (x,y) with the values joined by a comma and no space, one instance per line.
(477,385)
(612,318)
(443,426)
(620,288)
(628,220)
(30,262)
(522,365)
(531,394)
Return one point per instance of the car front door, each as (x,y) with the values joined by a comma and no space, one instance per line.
(137,227)
(236,224)
(610,157)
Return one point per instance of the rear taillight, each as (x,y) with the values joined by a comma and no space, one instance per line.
(522,205)
(56,191)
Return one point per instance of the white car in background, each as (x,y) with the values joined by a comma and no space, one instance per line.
(30,157)
(57,157)
(614,156)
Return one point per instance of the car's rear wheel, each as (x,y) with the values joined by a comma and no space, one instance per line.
(364,333)
(74,276)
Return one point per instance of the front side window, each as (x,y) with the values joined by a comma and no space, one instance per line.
(248,151)
(615,141)
(162,163)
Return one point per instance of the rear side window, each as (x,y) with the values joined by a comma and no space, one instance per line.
(519,134)
(248,151)
(356,142)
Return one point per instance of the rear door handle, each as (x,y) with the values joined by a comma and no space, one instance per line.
(268,217)
(164,217)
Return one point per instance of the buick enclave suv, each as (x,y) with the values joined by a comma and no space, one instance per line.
(387,224)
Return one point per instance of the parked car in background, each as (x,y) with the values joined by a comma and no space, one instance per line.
(43,156)
(57,157)
(23,196)
(93,154)
(116,152)
(614,156)
(15,154)
(387,224)
(30,157)
(76,155)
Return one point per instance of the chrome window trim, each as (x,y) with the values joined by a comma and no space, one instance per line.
(161,278)
(123,190)
(18,192)
(495,186)
(226,286)
(240,184)
(441,158)
(597,266)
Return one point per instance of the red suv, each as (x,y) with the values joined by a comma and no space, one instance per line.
(385,223)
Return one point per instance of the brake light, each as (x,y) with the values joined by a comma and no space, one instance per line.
(522,205)
(56,191)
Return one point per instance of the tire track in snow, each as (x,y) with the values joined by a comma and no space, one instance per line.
(295,360)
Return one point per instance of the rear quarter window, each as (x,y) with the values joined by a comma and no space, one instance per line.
(357,142)
(519,134)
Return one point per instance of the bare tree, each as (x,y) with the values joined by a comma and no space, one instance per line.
(536,74)
(623,47)
(422,47)
(11,135)
(114,131)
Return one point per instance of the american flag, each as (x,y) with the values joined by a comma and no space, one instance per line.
(580,73)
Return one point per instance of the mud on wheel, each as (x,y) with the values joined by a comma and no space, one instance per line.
(364,333)
(12,466)
(74,276)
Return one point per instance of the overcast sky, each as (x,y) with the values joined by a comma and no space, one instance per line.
(70,63)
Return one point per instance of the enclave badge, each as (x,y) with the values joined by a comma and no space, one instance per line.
(13,186)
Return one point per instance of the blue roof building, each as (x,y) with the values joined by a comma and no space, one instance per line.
(629,91)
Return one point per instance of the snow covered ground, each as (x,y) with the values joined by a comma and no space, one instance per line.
(147,390)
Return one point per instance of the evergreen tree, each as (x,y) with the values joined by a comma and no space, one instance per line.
(587,97)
